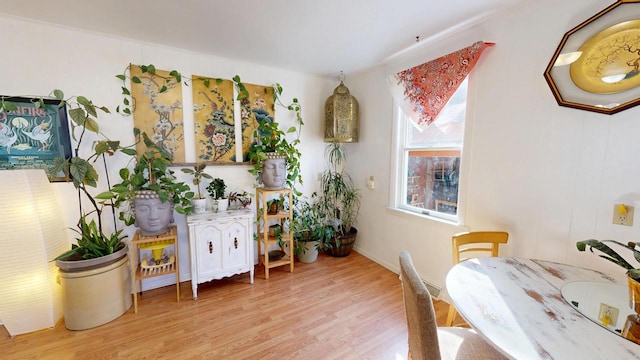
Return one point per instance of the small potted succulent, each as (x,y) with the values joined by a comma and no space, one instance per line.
(216,190)
(199,201)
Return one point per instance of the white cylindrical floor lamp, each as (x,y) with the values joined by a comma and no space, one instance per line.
(32,233)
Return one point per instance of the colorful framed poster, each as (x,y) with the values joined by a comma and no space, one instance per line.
(157,110)
(34,134)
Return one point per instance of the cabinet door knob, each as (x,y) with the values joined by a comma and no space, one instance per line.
(235,242)
(210,248)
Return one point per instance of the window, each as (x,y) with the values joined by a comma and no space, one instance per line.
(429,160)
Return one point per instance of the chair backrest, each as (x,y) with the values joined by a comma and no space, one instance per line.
(421,317)
(477,241)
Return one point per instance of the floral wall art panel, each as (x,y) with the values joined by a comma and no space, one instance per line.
(157,111)
(214,122)
(258,106)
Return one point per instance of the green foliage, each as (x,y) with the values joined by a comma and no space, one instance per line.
(93,243)
(126,108)
(150,172)
(198,174)
(339,200)
(83,114)
(268,137)
(612,255)
(217,188)
(309,223)
(242,197)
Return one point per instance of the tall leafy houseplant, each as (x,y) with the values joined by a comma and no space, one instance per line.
(339,202)
(151,171)
(92,242)
(95,277)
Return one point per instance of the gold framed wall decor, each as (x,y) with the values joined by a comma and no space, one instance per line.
(214,120)
(158,110)
(596,66)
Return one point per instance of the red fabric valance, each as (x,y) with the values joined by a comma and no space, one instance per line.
(426,88)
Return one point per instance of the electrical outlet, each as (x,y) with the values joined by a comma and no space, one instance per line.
(608,315)
(623,214)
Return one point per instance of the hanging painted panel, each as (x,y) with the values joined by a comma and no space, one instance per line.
(214,123)
(157,111)
(258,105)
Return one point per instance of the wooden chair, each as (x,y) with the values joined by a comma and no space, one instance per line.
(472,243)
(426,340)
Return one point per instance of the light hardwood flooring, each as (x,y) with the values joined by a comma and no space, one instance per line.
(335,308)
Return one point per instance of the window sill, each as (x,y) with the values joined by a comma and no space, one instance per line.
(412,215)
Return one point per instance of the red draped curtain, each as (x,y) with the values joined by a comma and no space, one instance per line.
(424,90)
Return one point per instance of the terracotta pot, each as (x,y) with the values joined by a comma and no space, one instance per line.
(634,294)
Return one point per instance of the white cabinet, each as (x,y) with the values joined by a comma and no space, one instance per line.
(220,245)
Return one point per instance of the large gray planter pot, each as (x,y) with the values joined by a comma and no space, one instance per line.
(309,253)
(274,171)
(96,294)
(153,216)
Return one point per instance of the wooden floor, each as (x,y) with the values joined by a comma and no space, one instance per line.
(335,308)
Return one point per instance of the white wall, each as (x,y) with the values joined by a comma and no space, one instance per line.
(549,175)
(38,58)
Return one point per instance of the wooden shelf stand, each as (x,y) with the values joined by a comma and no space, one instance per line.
(264,220)
(148,242)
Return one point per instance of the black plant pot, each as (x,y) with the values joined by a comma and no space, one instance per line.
(346,244)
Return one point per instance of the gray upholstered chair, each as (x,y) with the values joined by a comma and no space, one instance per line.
(426,340)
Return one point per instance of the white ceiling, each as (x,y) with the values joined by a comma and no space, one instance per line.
(321,37)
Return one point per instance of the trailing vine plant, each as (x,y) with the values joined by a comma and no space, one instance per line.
(128,103)
(268,137)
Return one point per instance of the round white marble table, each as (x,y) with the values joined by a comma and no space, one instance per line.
(517,306)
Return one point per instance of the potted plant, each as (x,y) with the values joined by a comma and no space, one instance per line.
(339,203)
(94,274)
(93,247)
(633,273)
(199,202)
(149,192)
(631,328)
(276,159)
(216,190)
(242,198)
(309,229)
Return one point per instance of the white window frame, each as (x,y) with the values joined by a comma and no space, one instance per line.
(398,184)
